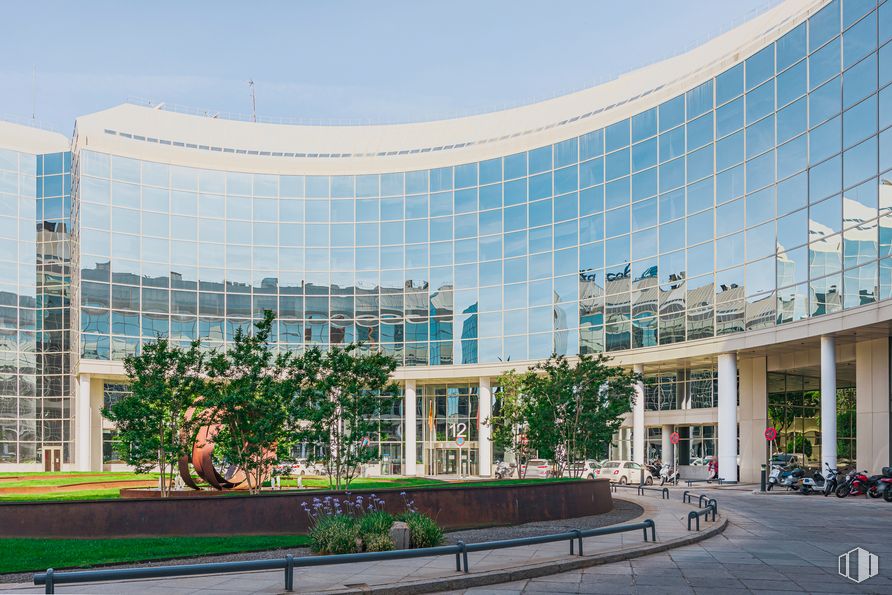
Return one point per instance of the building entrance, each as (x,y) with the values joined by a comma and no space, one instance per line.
(449,429)
(455,461)
(52,458)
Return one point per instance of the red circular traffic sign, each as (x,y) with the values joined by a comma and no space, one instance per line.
(770,434)
(673,438)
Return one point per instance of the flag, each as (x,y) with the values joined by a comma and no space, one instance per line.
(430,416)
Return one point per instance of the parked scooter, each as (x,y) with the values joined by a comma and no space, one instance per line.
(504,470)
(831,482)
(812,484)
(652,469)
(785,478)
(668,475)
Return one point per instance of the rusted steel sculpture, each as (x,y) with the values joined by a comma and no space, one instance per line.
(203,458)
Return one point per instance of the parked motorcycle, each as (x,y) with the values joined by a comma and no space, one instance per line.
(504,470)
(668,475)
(652,469)
(855,484)
(879,485)
(887,491)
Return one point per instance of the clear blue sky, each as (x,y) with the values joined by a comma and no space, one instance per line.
(382,60)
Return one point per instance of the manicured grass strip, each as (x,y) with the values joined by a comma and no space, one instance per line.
(60,496)
(28,555)
(363,483)
(50,479)
(313,483)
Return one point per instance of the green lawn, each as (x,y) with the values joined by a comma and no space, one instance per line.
(365,483)
(62,479)
(27,555)
(314,483)
(59,496)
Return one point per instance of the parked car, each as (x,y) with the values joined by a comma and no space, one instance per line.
(624,472)
(584,469)
(300,467)
(785,460)
(537,468)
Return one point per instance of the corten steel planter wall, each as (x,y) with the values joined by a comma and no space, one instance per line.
(281,513)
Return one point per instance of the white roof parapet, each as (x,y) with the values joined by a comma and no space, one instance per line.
(27,139)
(214,143)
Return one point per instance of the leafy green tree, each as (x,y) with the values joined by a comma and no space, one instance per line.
(153,428)
(343,395)
(573,411)
(508,421)
(250,391)
(798,443)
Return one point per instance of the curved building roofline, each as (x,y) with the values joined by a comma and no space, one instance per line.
(158,135)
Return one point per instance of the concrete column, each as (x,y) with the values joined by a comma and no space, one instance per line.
(84,426)
(727,416)
(409,437)
(668,456)
(484,439)
(872,404)
(828,401)
(638,431)
(753,417)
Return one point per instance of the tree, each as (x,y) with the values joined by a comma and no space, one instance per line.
(508,421)
(344,393)
(249,392)
(574,411)
(153,427)
(798,443)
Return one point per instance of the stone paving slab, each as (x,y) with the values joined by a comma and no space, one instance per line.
(435,573)
(772,545)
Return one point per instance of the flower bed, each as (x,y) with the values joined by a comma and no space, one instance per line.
(360,524)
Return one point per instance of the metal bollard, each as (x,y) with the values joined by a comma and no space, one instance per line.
(50,585)
(289,572)
(578,537)
(762,478)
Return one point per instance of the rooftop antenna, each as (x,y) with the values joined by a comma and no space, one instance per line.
(253,101)
(33,93)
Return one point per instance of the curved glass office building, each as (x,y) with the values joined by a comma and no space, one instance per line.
(721,221)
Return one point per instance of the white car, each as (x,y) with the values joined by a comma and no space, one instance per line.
(300,467)
(583,469)
(623,472)
(536,469)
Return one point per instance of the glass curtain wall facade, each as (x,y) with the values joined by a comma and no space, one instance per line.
(756,199)
(759,197)
(35,410)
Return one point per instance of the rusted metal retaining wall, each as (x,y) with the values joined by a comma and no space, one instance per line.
(281,513)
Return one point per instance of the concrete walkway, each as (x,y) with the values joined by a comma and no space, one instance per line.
(670,517)
(777,543)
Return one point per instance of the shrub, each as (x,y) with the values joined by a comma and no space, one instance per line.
(377,542)
(423,530)
(375,523)
(348,525)
(335,534)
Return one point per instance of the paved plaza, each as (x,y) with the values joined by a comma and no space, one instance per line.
(773,543)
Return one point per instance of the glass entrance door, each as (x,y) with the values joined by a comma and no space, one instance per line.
(455,461)
(449,418)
